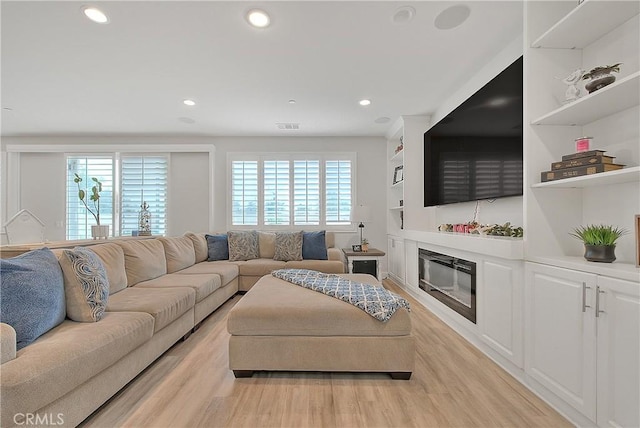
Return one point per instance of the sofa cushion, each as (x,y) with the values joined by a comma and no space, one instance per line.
(274,307)
(179,253)
(243,245)
(218,247)
(228,271)
(67,356)
(267,244)
(143,259)
(203,284)
(165,305)
(259,267)
(326,266)
(32,290)
(199,245)
(288,246)
(112,257)
(86,286)
(314,245)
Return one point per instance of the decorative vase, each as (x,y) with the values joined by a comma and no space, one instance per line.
(600,253)
(144,220)
(599,81)
(365,248)
(100,231)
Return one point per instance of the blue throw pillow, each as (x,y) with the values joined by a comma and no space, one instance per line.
(32,290)
(218,247)
(314,246)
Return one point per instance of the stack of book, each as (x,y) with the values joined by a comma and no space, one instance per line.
(581,163)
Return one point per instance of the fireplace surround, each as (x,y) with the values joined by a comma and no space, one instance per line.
(450,280)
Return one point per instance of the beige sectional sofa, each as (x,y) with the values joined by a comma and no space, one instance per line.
(159,291)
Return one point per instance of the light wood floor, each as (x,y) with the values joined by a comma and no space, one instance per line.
(453,385)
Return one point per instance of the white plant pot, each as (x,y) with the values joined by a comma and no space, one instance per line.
(100,231)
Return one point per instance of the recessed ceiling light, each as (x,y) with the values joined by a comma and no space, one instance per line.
(364,102)
(292,101)
(95,14)
(452,17)
(258,18)
(189,103)
(404,14)
(7,109)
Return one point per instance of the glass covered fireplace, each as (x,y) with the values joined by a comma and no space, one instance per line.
(450,280)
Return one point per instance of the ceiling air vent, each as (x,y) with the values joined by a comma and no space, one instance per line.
(288,126)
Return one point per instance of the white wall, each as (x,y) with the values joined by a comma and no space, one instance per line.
(43,190)
(501,210)
(190,176)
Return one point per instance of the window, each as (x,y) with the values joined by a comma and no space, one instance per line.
(299,190)
(79,219)
(142,178)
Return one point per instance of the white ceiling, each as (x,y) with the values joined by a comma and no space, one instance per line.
(65,75)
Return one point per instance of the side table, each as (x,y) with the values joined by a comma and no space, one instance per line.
(365,257)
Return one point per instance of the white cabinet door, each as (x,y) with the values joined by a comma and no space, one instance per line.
(500,310)
(396,259)
(618,353)
(561,340)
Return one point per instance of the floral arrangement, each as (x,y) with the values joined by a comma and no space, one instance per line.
(476,228)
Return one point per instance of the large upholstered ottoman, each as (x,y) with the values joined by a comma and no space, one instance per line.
(282,326)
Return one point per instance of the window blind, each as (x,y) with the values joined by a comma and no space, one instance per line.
(79,219)
(306,192)
(244,193)
(144,179)
(338,192)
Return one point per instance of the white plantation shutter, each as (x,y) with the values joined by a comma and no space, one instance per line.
(244,193)
(338,192)
(276,192)
(292,189)
(306,192)
(144,178)
(79,220)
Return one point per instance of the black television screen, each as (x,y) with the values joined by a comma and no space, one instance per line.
(475,152)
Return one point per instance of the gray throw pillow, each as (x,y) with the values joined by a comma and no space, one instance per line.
(86,286)
(217,247)
(288,246)
(243,245)
(32,290)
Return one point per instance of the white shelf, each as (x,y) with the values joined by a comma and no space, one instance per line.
(625,175)
(586,23)
(398,184)
(618,96)
(625,271)
(397,156)
(396,208)
(496,246)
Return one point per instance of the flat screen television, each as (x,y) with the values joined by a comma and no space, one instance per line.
(475,152)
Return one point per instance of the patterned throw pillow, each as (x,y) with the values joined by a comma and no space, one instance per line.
(288,246)
(218,247)
(86,286)
(32,292)
(243,245)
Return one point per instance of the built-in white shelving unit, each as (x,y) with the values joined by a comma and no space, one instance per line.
(626,175)
(586,23)
(614,98)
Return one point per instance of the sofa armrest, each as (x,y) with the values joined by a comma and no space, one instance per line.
(335,254)
(7,343)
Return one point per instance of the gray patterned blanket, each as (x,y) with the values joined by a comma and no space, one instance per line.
(377,301)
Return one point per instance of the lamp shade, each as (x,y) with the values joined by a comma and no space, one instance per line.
(362,213)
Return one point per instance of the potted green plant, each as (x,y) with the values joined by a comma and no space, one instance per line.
(92,196)
(601,77)
(599,241)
